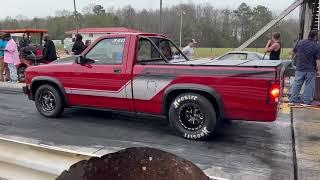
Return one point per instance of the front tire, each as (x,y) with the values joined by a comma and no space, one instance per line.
(192,116)
(49,101)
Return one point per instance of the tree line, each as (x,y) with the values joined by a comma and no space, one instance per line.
(210,26)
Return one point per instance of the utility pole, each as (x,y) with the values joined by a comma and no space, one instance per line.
(181,27)
(160,24)
(76,15)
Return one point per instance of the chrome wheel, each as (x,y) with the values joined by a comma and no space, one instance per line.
(191,117)
(47,101)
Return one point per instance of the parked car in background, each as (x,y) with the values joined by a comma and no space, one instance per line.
(243,55)
(248,56)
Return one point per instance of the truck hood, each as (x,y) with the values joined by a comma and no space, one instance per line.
(68,60)
(241,63)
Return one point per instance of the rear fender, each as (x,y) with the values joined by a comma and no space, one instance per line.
(193,88)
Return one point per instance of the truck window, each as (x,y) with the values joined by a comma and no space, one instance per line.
(167,49)
(107,51)
(148,54)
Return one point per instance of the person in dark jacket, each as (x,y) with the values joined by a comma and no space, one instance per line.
(49,51)
(25,41)
(78,46)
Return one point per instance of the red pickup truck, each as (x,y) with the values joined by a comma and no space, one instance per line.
(147,73)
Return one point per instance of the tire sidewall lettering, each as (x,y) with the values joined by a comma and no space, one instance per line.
(204,132)
(199,133)
(179,101)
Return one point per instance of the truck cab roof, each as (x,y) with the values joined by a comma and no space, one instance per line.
(134,34)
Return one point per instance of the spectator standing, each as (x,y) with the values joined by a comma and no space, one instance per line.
(24,41)
(3,44)
(307,54)
(78,46)
(274,46)
(87,44)
(11,57)
(49,51)
(188,51)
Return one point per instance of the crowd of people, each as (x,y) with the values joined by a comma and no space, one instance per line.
(10,54)
(306,59)
(9,58)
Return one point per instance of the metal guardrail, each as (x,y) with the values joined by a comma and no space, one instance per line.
(19,160)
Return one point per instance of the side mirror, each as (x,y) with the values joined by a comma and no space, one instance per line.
(81,60)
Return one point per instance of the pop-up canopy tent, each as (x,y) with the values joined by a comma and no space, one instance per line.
(28,32)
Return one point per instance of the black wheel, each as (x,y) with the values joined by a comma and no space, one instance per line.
(21,73)
(49,101)
(193,116)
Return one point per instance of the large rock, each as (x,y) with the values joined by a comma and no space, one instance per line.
(135,164)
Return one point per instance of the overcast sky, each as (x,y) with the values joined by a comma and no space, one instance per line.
(42,8)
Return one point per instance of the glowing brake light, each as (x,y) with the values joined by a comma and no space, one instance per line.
(274,92)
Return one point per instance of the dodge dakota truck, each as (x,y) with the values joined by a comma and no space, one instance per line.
(148,73)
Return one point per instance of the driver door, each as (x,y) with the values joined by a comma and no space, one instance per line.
(102,80)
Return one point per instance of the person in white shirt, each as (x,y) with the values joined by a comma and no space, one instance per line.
(189,50)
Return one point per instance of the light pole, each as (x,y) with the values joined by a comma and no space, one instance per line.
(76,15)
(181,27)
(160,23)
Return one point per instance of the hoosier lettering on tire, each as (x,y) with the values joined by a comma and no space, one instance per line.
(193,116)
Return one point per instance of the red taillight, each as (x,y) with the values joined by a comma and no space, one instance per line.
(274,92)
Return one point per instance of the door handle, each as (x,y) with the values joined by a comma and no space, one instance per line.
(118,71)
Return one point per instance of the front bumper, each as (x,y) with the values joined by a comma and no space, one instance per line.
(26,90)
